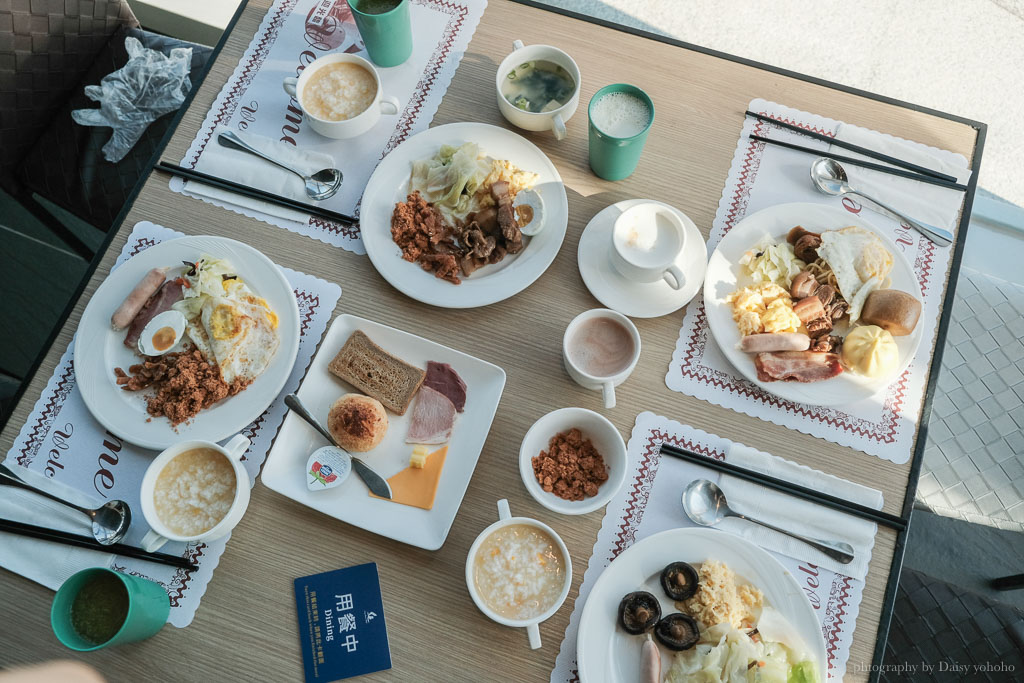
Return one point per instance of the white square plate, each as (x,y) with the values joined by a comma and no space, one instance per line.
(285,468)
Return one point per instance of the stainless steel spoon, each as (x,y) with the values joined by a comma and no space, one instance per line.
(109,522)
(705,504)
(830,177)
(321,185)
(377,484)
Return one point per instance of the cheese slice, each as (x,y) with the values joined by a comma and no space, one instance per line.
(415,486)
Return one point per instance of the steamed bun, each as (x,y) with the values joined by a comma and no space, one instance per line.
(870,351)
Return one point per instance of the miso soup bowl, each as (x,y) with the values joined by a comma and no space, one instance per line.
(553,120)
(159,534)
(531,625)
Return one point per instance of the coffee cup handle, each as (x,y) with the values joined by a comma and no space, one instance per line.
(608,390)
(152,541)
(674,277)
(517,45)
(558,127)
(237,447)
(503,510)
(389,102)
(289,85)
(533,632)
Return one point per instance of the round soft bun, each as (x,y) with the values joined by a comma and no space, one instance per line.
(358,423)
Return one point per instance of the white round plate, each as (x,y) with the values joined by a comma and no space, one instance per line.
(724,278)
(637,299)
(389,185)
(607,654)
(99,349)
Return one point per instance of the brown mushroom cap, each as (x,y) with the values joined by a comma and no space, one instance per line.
(677,631)
(679,580)
(638,612)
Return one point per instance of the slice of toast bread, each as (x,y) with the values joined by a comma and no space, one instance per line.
(377,373)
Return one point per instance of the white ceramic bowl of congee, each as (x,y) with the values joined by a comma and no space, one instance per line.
(552,118)
(531,549)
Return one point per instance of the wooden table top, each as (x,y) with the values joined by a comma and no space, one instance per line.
(245,628)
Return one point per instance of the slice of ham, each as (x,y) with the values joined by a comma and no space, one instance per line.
(797,366)
(432,417)
(169,294)
(442,377)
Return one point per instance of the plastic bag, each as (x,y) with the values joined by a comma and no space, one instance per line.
(150,85)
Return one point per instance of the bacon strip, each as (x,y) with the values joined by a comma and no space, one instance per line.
(797,366)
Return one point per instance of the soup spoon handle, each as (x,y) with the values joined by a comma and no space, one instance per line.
(937,235)
(229,139)
(837,550)
(9,478)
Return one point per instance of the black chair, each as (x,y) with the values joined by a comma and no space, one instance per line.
(49,51)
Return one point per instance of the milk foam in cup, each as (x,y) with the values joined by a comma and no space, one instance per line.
(600,348)
(647,241)
(620,117)
(513,587)
(195,491)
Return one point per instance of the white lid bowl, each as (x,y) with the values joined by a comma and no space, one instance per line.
(602,434)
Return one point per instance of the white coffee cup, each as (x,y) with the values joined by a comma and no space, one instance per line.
(505,518)
(159,534)
(349,128)
(553,120)
(647,240)
(605,383)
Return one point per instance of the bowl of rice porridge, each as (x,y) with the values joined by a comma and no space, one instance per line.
(518,572)
(341,95)
(195,491)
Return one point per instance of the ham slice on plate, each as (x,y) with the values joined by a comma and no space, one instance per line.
(797,366)
(433,415)
(442,377)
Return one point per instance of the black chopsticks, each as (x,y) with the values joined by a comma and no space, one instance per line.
(856,148)
(57,536)
(787,487)
(253,193)
(860,162)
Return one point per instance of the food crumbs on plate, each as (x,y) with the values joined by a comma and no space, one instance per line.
(571,468)
(719,599)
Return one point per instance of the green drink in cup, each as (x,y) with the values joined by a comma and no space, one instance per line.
(620,118)
(385,29)
(97,608)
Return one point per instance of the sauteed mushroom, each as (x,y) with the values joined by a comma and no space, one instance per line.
(677,631)
(638,612)
(679,580)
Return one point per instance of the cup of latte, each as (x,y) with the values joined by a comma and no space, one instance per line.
(646,243)
(195,491)
(341,95)
(518,572)
(600,349)
(620,119)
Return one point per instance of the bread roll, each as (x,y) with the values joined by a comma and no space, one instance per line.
(870,351)
(892,310)
(358,423)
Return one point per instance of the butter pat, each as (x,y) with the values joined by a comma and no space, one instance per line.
(419,457)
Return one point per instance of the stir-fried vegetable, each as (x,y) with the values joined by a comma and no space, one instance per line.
(451,178)
(771,262)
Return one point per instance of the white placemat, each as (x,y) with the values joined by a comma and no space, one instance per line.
(62,442)
(295,32)
(649,503)
(764,175)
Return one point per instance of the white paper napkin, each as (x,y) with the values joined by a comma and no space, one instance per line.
(248,169)
(933,204)
(798,515)
(49,564)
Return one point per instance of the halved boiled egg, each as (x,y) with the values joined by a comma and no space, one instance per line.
(529,211)
(162,333)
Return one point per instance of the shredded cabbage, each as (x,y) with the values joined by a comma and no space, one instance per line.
(451,178)
(771,262)
(207,281)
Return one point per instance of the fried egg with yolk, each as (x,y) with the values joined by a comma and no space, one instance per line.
(239,334)
(860,262)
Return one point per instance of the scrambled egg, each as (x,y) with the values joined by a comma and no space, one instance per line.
(766,307)
(721,600)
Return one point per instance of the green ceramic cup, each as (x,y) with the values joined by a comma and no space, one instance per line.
(148,609)
(387,35)
(615,158)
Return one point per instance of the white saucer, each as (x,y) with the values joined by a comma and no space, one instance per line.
(637,299)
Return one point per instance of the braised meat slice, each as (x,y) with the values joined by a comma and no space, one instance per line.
(804,285)
(507,217)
